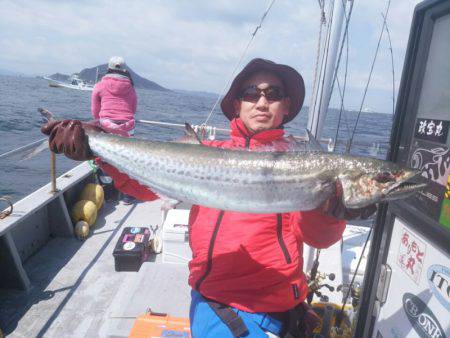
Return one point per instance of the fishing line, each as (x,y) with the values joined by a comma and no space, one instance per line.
(392,64)
(342,91)
(322,22)
(340,314)
(240,60)
(324,62)
(23,148)
(368,80)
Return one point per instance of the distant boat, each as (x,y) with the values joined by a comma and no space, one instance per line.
(368,110)
(74,82)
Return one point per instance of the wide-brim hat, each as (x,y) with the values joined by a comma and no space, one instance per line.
(292,80)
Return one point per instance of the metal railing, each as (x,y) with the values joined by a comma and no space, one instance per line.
(204,131)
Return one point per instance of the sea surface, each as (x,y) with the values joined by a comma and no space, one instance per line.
(20,125)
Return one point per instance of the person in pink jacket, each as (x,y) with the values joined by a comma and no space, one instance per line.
(114,103)
(114,99)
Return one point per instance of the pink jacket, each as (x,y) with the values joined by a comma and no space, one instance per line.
(114,98)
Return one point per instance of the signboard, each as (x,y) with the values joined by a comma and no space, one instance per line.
(431,130)
(434,161)
(418,300)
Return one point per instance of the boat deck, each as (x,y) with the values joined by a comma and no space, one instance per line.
(76,292)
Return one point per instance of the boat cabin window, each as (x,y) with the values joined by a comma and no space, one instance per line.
(434,101)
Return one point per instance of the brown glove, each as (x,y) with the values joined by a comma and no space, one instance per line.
(335,207)
(68,137)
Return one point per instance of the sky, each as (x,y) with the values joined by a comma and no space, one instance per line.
(196,44)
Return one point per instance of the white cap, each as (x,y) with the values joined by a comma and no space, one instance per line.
(116,62)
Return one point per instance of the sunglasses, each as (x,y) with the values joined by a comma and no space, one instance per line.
(253,93)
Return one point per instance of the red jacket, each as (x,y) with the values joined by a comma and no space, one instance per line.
(253,262)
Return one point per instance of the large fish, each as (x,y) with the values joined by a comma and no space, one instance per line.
(253,181)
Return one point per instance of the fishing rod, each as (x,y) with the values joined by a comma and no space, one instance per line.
(240,59)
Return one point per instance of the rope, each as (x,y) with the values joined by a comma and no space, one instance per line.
(324,62)
(94,168)
(239,61)
(319,43)
(370,77)
(342,91)
(344,37)
(6,212)
(392,64)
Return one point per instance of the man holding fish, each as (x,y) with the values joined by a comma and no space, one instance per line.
(246,271)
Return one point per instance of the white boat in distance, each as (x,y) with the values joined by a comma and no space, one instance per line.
(74,83)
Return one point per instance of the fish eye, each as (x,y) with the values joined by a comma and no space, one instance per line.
(384,177)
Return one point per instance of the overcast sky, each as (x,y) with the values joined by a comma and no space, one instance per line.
(194,45)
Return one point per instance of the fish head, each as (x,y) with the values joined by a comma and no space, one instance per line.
(386,183)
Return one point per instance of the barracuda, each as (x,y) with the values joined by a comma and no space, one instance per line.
(252,181)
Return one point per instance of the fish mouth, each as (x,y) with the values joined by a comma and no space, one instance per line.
(403,186)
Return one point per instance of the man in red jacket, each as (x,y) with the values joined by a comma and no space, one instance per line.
(246,269)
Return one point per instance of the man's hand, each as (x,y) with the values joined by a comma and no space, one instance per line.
(335,207)
(68,137)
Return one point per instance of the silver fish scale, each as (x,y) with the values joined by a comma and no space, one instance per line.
(246,181)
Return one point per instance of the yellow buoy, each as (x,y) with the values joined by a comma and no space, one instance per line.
(84,210)
(82,230)
(93,192)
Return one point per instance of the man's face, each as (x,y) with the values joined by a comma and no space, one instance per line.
(263,114)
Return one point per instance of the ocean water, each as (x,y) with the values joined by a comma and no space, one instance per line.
(20,125)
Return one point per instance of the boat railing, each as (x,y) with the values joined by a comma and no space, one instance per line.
(209,132)
(46,212)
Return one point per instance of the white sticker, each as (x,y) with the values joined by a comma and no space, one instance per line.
(129,246)
(411,254)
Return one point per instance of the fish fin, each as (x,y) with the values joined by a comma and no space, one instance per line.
(296,145)
(167,203)
(190,132)
(313,143)
(190,136)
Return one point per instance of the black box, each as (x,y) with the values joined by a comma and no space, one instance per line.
(131,249)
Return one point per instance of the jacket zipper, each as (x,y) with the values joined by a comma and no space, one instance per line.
(287,256)
(247,142)
(210,251)
(283,246)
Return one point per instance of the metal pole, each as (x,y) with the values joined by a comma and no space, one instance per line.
(53,171)
(318,113)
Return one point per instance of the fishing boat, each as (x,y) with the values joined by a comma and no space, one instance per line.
(74,82)
(54,285)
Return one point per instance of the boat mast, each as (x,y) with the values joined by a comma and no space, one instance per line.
(322,95)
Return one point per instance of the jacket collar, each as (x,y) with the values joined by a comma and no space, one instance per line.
(240,134)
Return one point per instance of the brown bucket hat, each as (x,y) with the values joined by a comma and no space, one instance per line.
(292,80)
